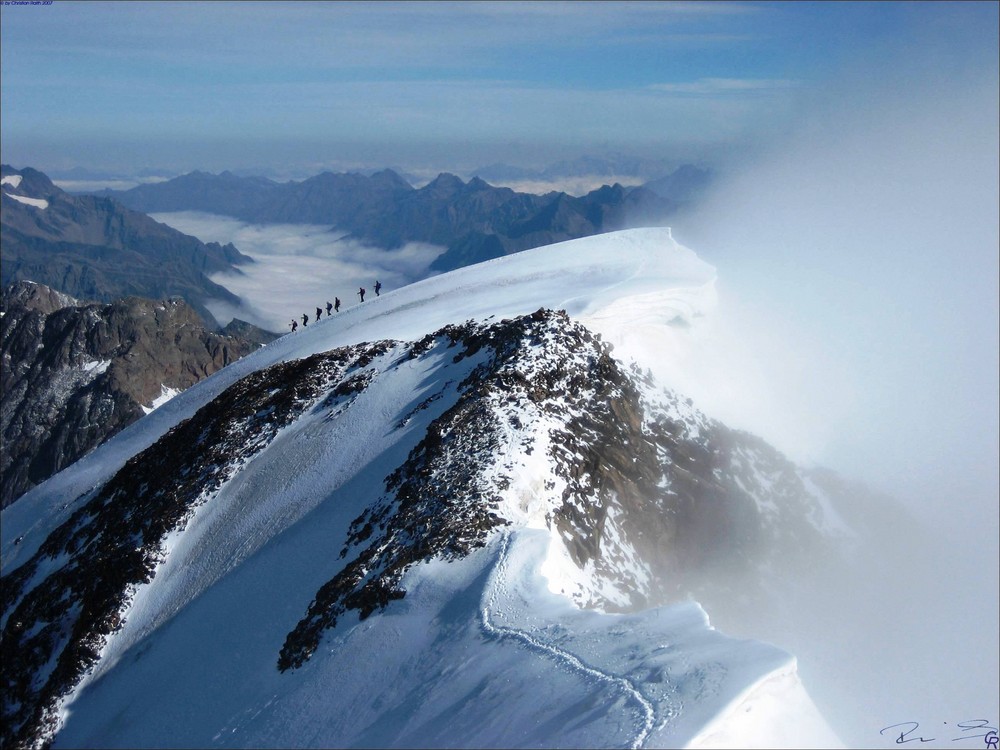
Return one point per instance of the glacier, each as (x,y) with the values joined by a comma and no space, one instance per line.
(486,649)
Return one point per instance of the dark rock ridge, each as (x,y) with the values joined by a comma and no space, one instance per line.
(475,221)
(53,631)
(75,374)
(644,491)
(95,248)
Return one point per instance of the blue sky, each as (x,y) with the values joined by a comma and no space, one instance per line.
(299,87)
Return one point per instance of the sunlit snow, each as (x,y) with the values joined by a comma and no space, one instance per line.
(482,651)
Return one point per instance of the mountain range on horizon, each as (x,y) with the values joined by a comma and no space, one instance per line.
(612,167)
(473,220)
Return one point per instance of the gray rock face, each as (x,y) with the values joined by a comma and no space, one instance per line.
(74,374)
(95,248)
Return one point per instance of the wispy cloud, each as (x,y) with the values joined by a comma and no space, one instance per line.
(236,80)
(348,71)
(734,86)
(359,35)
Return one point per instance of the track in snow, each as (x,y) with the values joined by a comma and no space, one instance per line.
(565,658)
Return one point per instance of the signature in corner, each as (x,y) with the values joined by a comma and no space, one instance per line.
(963,730)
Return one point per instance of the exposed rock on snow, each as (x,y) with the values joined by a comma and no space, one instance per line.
(74,374)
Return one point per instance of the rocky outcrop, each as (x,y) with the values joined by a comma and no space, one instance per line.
(74,374)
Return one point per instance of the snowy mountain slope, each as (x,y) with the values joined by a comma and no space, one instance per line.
(292,511)
(582,277)
(457,663)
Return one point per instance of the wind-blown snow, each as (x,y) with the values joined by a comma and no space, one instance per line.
(482,651)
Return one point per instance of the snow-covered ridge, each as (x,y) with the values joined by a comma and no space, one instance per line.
(351,513)
(581,276)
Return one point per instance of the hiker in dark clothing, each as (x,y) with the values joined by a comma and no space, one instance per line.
(328,308)
(336,304)
(378,287)
(305,320)
(319,313)
(295,325)
(361,291)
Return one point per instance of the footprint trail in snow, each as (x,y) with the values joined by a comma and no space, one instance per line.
(498,580)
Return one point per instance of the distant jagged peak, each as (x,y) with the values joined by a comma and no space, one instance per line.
(34,296)
(29,187)
(445,182)
(392,178)
(477,183)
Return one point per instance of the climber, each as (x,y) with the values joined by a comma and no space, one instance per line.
(336,304)
(378,287)
(319,312)
(361,292)
(295,325)
(305,320)
(328,308)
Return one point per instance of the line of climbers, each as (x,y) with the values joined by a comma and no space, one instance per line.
(335,306)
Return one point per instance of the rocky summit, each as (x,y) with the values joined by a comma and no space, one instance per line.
(74,373)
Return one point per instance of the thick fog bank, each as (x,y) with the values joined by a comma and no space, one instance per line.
(858,328)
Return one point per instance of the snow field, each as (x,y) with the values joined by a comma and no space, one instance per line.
(34,202)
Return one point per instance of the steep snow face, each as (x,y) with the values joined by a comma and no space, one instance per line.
(395,454)
(367,524)
(459,662)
